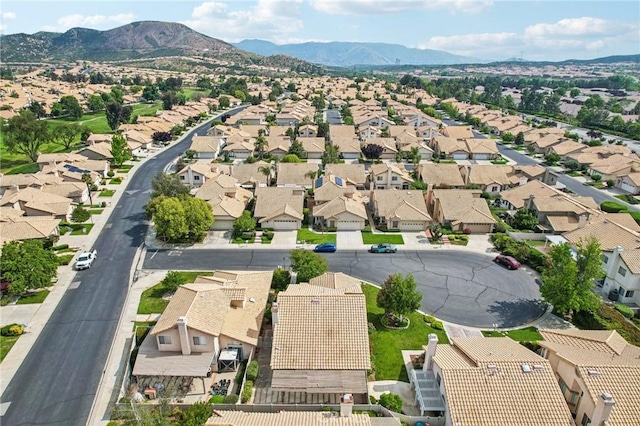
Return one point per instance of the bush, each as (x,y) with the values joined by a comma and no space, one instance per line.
(12,330)
(66,259)
(231,399)
(612,207)
(624,310)
(60,247)
(247,392)
(281,279)
(392,402)
(252,371)
(373,400)
(111,173)
(217,399)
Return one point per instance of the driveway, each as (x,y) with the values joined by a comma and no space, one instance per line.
(284,238)
(350,240)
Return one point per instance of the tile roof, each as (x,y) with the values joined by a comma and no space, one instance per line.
(342,131)
(457,131)
(321,329)
(295,173)
(273,201)
(347,145)
(608,233)
(353,173)
(518,195)
(297,418)
(341,204)
(312,145)
(487,174)
(441,174)
(25,227)
(401,204)
(33,198)
(249,173)
(461,206)
(205,143)
(335,280)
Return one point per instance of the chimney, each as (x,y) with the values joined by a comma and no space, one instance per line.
(529,202)
(604,405)
(185,344)
(467,179)
(274,313)
(346,405)
(582,220)
(430,352)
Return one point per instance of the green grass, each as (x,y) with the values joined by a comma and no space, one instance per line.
(81,228)
(6,343)
(65,259)
(31,298)
(311,237)
(107,193)
(142,328)
(386,344)
(528,334)
(188,92)
(151,301)
(242,241)
(96,211)
(124,168)
(115,181)
(536,243)
(369,238)
(24,168)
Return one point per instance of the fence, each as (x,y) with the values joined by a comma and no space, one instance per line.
(523,236)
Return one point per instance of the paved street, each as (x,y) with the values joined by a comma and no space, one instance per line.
(57,381)
(458,286)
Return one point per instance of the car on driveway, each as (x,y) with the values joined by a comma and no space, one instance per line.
(86,259)
(507,261)
(325,248)
(383,248)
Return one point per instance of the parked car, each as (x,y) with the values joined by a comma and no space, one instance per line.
(86,259)
(325,248)
(507,261)
(383,248)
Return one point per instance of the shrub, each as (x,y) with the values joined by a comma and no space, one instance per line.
(252,371)
(217,399)
(60,247)
(231,399)
(66,259)
(12,330)
(173,280)
(281,279)
(612,207)
(247,392)
(391,401)
(111,173)
(624,310)
(373,400)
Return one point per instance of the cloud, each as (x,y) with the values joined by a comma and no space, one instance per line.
(378,7)
(576,27)
(470,41)
(4,17)
(275,20)
(90,21)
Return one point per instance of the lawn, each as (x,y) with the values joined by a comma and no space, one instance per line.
(32,298)
(6,343)
(115,181)
(142,328)
(81,228)
(386,344)
(528,334)
(96,211)
(311,237)
(107,193)
(151,301)
(369,238)
(536,243)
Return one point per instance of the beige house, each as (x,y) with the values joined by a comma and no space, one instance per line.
(562,213)
(598,373)
(348,147)
(227,199)
(14,226)
(97,151)
(490,178)
(206,146)
(251,175)
(314,147)
(457,132)
(295,174)
(76,191)
(195,175)
(400,209)
(460,210)
(25,180)
(308,131)
(389,176)
(279,208)
(614,166)
(321,339)
(488,382)
(352,174)
(516,197)
(35,202)
(343,213)
(216,315)
(441,175)
(307,418)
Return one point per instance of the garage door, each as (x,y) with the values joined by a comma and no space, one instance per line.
(460,156)
(629,188)
(222,225)
(350,225)
(478,228)
(286,224)
(482,157)
(412,226)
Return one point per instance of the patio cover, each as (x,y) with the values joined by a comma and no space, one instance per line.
(320,381)
(152,362)
(228,359)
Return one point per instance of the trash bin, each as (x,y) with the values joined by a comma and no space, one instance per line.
(613,295)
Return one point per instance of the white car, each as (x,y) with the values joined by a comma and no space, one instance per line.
(86,259)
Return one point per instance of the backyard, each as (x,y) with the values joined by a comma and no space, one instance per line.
(155,299)
(386,344)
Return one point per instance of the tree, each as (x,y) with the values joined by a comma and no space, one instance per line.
(65,135)
(95,103)
(170,220)
(331,155)
(552,158)
(25,134)
(372,151)
(519,140)
(70,107)
(260,144)
(525,219)
(169,99)
(88,180)
(508,137)
(244,223)
(392,402)
(415,155)
(37,108)
(167,185)
(27,265)
(162,137)
(291,158)
(297,149)
(150,93)
(116,115)
(198,216)
(119,150)
(85,132)
(398,295)
(224,102)
(308,264)
(80,215)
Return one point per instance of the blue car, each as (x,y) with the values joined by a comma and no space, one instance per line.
(325,248)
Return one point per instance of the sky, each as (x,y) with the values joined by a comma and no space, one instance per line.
(487,29)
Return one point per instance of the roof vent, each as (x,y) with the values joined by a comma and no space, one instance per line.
(491,367)
(526,368)
(252,299)
(593,373)
(315,301)
(537,367)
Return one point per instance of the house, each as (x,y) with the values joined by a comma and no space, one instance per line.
(33,202)
(389,176)
(629,183)
(542,144)
(320,339)
(457,132)
(251,175)
(238,148)
(515,198)
(278,146)
(369,132)
(563,149)
(406,143)
(401,210)
(97,151)
(328,187)
(389,149)
(441,175)
(488,382)
(614,166)
(206,146)
(342,131)
(490,178)
(307,418)
(308,131)
(76,191)
(450,148)
(279,208)
(314,147)
(25,180)
(343,213)
(59,157)
(295,174)
(348,147)
(598,373)
(227,199)
(196,174)
(482,149)
(560,214)
(352,174)
(14,226)
(460,210)
(216,315)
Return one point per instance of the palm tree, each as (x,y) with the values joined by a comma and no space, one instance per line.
(266,170)
(415,155)
(86,178)
(313,174)
(260,144)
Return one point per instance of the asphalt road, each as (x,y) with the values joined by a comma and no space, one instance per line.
(57,382)
(460,287)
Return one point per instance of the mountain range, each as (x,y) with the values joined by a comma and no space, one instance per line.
(346,54)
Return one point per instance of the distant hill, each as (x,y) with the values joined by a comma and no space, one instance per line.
(345,54)
(135,40)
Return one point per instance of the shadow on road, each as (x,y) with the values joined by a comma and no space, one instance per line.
(517,313)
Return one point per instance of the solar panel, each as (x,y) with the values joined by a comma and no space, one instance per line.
(338,181)
(75,169)
(318,182)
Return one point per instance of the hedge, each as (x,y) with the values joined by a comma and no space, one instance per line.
(252,371)
(520,251)
(612,207)
(247,391)
(231,399)
(624,310)
(12,330)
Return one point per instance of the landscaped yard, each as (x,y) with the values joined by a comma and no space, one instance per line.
(369,238)
(107,193)
(81,228)
(528,334)
(311,237)
(6,343)
(152,302)
(386,344)
(32,298)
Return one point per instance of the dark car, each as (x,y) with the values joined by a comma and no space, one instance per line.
(325,248)
(383,248)
(508,261)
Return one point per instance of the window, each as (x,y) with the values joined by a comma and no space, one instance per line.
(394,178)
(605,259)
(629,293)
(585,420)
(378,178)
(164,340)
(181,177)
(622,271)
(199,340)
(196,177)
